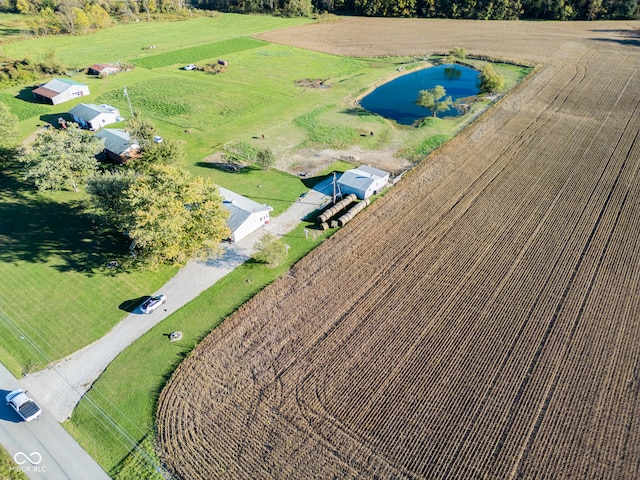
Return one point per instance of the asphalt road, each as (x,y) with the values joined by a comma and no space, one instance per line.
(42,448)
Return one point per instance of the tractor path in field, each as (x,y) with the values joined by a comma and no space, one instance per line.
(59,387)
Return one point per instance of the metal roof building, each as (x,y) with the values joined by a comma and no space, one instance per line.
(60,90)
(363,181)
(246,215)
(118,144)
(94,117)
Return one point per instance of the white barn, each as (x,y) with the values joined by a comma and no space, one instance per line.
(246,215)
(60,90)
(363,181)
(94,117)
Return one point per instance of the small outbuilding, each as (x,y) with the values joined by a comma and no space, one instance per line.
(60,90)
(363,181)
(246,215)
(102,69)
(94,117)
(118,145)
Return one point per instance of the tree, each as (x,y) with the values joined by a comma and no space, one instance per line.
(62,159)
(171,215)
(490,80)
(265,158)
(435,100)
(297,8)
(166,152)
(141,128)
(270,250)
(107,192)
(456,54)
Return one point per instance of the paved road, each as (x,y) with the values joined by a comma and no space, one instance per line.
(43,449)
(61,386)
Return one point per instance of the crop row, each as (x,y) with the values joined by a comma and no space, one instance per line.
(481,322)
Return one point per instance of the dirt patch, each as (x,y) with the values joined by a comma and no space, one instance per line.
(312,83)
(310,162)
(223,161)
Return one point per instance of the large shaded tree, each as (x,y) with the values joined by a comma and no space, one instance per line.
(490,80)
(62,159)
(171,215)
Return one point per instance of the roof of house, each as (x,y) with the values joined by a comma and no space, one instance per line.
(116,140)
(56,87)
(362,177)
(89,111)
(98,67)
(240,207)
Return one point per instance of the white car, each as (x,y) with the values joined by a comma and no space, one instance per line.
(23,405)
(191,66)
(151,303)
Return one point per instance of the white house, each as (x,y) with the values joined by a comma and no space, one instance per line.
(94,117)
(246,215)
(60,90)
(118,145)
(364,181)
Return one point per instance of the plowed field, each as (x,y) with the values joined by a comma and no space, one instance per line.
(479,321)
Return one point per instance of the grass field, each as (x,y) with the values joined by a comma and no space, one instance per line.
(56,295)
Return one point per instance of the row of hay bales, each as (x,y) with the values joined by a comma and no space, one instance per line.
(348,215)
(330,212)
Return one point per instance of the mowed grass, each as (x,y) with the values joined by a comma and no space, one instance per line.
(129,42)
(200,52)
(118,412)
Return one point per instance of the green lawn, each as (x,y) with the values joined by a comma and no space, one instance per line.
(56,295)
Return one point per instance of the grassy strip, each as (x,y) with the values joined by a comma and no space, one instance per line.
(200,52)
(417,152)
(128,389)
(22,109)
(8,468)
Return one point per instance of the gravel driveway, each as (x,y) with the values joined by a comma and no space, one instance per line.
(59,387)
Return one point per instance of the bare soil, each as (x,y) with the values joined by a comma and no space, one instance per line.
(479,320)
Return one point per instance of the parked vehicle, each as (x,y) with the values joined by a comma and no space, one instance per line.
(191,66)
(151,303)
(24,406)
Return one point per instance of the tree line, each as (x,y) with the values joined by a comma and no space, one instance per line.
(469,9)
(83,16)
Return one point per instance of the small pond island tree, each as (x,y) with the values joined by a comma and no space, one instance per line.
(435,99)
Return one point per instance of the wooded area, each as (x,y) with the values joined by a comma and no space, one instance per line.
(70,16)
(471,9)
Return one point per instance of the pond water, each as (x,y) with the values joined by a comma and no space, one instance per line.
(397,99)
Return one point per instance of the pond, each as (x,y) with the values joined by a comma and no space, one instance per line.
(397,99)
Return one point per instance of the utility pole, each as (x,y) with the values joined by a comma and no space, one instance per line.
(126,94)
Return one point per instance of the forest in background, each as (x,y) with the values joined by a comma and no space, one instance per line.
(47,17)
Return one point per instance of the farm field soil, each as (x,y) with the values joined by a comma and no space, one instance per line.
(480,320)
